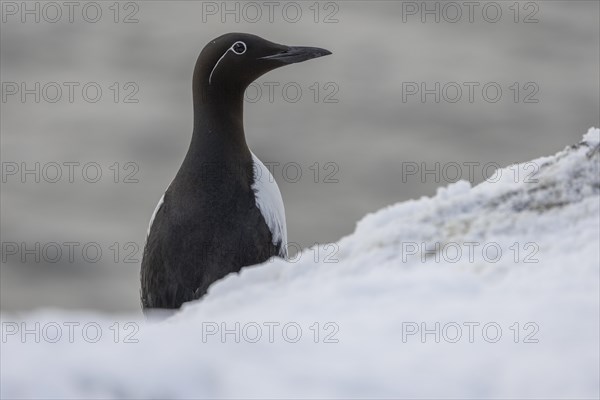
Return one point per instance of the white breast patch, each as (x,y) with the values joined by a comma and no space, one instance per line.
(160,203)
(270,204)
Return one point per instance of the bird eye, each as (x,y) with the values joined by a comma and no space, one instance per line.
(239,48)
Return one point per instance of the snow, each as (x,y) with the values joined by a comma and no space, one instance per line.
(370,297)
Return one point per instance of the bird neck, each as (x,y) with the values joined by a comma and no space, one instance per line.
(219,121)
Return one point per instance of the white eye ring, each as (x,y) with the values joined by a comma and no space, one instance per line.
(240,52)
(232,48)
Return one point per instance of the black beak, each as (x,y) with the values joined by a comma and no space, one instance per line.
(294,54)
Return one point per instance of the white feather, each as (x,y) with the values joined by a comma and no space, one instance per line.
(270,204)
(160,202)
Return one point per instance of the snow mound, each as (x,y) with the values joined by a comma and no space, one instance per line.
(477,292)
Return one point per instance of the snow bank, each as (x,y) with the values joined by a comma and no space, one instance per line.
(490,291)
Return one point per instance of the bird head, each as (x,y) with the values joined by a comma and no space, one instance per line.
(233,61)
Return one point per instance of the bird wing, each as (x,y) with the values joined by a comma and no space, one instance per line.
(270,204)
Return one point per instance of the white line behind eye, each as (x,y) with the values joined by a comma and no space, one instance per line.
(235,52)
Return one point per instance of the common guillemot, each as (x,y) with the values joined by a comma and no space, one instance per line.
(223,210)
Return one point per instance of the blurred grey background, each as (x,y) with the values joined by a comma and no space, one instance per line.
(358,130)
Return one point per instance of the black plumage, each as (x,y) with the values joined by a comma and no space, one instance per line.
(210,222)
